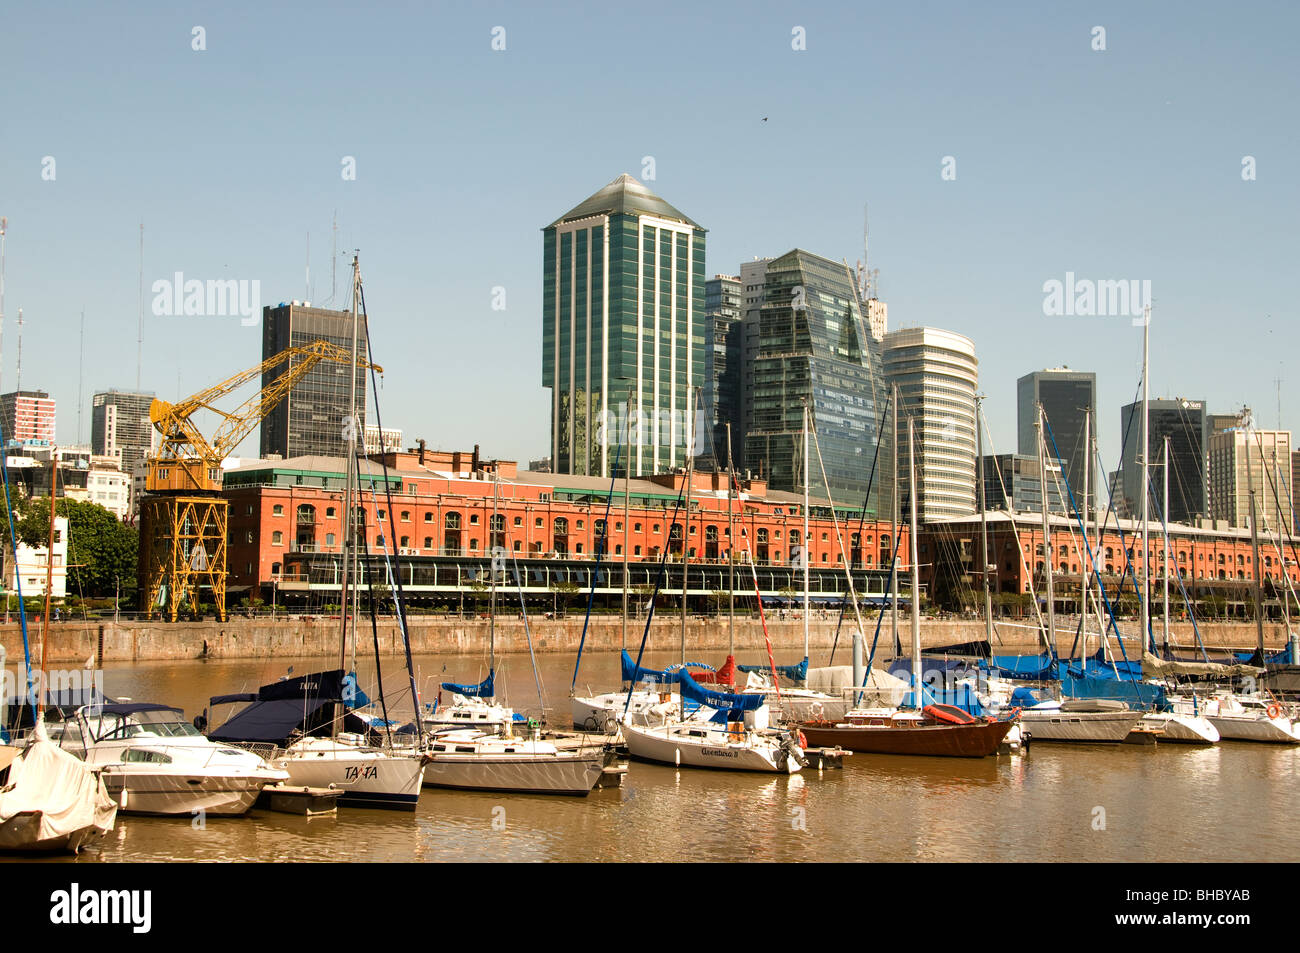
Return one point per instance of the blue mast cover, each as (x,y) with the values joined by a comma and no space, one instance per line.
(795,673)
(749,701)
(482,690)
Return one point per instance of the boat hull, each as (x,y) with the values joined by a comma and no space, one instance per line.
(367,778)
(1182,729)
(604,713)
(524,774)
(947,741)
(188,794)
(1277,731)
(665,746)
(1102,727)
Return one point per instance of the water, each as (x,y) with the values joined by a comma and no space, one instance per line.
(1232,802)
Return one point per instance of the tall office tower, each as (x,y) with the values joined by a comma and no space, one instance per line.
(1292,488)
(27,417)
(937,375)
(310,420)
(814,346)
(120,426)
(623,315)
(1012,482)
(1244,459)
(753,276)
(1184,423)
(1066,396)
(722,356)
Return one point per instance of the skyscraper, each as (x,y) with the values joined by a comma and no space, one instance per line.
(937,375)
(1243,459)
(1184,423)
(310,419)
(722,348)
(27,417)
(1067,396)
(622,315)
(120,426)
(814,346)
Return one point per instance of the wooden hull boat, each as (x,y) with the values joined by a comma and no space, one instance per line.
(927,733)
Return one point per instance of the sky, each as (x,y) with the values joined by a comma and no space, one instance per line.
(998,149)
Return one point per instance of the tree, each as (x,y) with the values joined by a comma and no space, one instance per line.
(102,550)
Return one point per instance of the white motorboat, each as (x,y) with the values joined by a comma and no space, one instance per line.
(1085,721)
(49,799)
(153,761)
(468,759)
(1251,717)
(465,711)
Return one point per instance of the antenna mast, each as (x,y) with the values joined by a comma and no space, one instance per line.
(139,337)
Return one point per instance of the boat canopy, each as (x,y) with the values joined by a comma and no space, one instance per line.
(483,689)
(794,673)
(722,701)
(723,676)
(1153,666)
(278,710)
(1030,667)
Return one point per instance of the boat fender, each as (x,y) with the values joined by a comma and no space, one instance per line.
(677,756)
(803,740)
(1275,710)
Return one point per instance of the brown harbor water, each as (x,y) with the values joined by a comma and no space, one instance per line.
(1232,802)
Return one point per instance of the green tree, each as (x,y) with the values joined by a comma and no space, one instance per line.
(102,550)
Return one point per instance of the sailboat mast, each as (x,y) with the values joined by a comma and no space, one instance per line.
(1164,518)
(492,575)
(1047,534)
(731,552)
(1085,580)
(984,523)
(349,500)
(49,581)
(806,555)
(688,443)
(916,574)
(1259,581)
(1145,595)
(627,493)
(895,518)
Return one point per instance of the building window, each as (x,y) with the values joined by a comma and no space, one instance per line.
(636,527)
(473,545)
(428,542)
(329,512)
(405,542)
(329,539)
(381,515)
(636,550)
(277,510)
(519,521)
(428,517)
(537,522)
(406,516)
(473,519)
(277,538)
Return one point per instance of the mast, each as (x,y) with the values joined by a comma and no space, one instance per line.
(688,443)
(1085,580)
(492,577)
(806,557)
(349,498)
(1259,584)
(1047,534)
(731,552)
(1164,517)
(49,581)
(895,518)
(984,522)
(627,492)
(1145,595)
(916,576)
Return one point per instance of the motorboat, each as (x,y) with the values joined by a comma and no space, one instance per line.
(153,761)
(50,800)
(1079,720)
(1249,717)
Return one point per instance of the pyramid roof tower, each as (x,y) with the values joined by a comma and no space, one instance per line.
(625,195)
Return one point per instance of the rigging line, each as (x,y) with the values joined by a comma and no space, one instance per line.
(839,537)
(659,579)
(1187,602)
(399,595)
(862,518)
(979,413)
(18,581)
(374,618)
(523,614)
(601,542)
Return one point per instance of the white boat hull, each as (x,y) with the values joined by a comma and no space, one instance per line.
(141,792)
(367,777)
(604,713)
(1249,728)
(671,744)
(526,774)
(1182,729)
(1104,727)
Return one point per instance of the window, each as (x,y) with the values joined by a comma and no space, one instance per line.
(579,524)
(636,550)
(277,538)
(381,515)
(406,516)
(428,542)
(379,541)
(452,521)
(473,544)
(329,539)
(428,517)
(636,527)
(473,519)
(248,536)
(519,544)
(656,529)
(519,521)
(405,542)
(329,511)
(277,510)
(537,522)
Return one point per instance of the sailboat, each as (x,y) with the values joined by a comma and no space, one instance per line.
(49,799)
(941,730)
(303,718)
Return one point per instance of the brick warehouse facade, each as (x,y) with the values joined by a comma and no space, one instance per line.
(286,520)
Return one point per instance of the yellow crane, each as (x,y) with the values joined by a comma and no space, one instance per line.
(183,517)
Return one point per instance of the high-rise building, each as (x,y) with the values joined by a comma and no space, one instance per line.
(1184,423)
(1243,459)
(753,276)
(1012,482)
(722,350)
(937,374)
(120,426)
(27,417)
(622,315)
(814,347)
(1067,396)
(310,419)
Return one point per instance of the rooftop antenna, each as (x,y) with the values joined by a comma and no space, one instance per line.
(139,336)
(334,255)
(307,287)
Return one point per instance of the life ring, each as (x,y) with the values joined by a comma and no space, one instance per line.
(803,740)
(817,710)
(1275,710)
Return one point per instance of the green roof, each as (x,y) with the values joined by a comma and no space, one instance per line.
(626,196)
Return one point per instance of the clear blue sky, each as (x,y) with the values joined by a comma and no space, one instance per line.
(1124,163)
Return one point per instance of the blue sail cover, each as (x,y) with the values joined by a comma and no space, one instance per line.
(482,690)
(1030,667)
(794,673)
(749,701)
(669,676)
(1138,694)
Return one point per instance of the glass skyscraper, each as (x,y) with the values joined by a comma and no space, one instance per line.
(622,316)
(1067,397)
(814,346)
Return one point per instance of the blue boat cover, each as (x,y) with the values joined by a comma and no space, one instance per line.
(669,676)
(353,696)
(1138,694)
(749,701)
(482,690)
(795,673)
(1031,667)
(283,708)
(1024,698)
